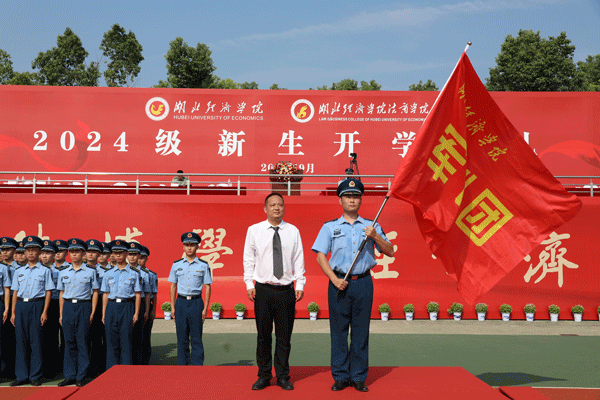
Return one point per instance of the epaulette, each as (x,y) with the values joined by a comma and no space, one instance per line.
(90,266)
(177,260)
(63,267)
(333,220)
(46,266)
(3,263)
(105,268)
(152,272)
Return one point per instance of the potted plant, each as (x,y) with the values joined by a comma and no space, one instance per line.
(529,312)
(598,313)
(313,310)
(456,310)
(554,310)
(433,308)
(166,307)
(216,310)
(505,309)
(384,310)
(481,310)
(577,312)
(240,309)
(409,311)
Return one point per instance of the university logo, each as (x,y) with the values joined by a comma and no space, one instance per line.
(157,109)
(302,110)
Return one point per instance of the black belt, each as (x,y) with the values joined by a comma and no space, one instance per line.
(130,300)
(75,301)
(352,277)
(277,287)
(194,297)
(27,300)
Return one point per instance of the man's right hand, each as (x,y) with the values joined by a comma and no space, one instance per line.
(340,283)
(251,294)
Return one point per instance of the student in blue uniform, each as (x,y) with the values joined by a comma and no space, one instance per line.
(32,289)
(189,277)
(120,306)
(5,284)
(97,333)
(78,286)
(351,307)
(147,334)
(52,357)
(138,329)
(8,248)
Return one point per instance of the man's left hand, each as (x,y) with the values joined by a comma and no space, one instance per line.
(370,232)
(299,295)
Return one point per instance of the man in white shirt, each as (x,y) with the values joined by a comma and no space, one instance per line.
(274,258)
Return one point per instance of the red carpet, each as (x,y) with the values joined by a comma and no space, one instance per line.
(522,393)
(234,382)
(36,393)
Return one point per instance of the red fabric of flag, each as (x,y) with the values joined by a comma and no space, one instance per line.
(482,198)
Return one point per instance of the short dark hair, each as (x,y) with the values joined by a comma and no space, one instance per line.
(271,195)
(180,172)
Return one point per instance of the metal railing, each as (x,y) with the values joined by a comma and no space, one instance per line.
(233,184)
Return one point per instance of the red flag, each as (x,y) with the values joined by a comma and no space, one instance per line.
(483,200)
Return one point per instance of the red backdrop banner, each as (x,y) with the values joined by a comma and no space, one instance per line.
(562,270)
(246,131)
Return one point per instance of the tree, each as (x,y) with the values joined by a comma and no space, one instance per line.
(530,63)
(370,85)
(64,65)
(276,87)
(125,54)
(225,83)
(25,78)
(429,85)
(6,70)
(351,84)
(248,85)
(189,67)
(590,68)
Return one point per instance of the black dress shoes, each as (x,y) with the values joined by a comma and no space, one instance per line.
(36,383)
(261,383)
(285,384)
(66,382)
(19,383)
(339,385)
(360,386)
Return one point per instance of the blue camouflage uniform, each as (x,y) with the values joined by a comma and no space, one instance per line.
(190,278)
(77,288)
(120,286)
(350,308)
(31,285)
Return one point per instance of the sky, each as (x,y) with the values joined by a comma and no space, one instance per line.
(303,44)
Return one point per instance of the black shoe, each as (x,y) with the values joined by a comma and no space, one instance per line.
(360,386)
(261,383)
(66,382)
(36,382)
(80,383)
(339,385)
(285,384)
(19,383)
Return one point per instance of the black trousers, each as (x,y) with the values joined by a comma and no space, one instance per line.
(274,304)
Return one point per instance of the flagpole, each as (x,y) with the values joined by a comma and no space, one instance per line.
(362,245)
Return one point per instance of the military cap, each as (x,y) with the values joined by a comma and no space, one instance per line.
(191,237)
(20,246)
(33,241)
(49,246)
(134,247)
(75,244)
(7,242)
(94,245)
(145,251)
(119,245)
(61,244)
(350,186)
(105,247)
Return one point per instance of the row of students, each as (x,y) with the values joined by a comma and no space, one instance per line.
(93,306)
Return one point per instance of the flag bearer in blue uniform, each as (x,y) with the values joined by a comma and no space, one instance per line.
(32,289)
(97,334)
(188,277)
(8,247)
(138,329)
(78,286)
(351,307)
(121,300)
(147,334)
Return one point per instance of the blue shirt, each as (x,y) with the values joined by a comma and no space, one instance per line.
(145,282)
(153,281)
(77,284)
(121,283)
(190,277)
(101,272)
(5,280)
(343,239)
(31,283)
(12,268)
(54,272)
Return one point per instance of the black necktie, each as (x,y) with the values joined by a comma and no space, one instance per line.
(277,255)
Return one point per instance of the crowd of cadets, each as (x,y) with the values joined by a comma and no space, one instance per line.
(78,318)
